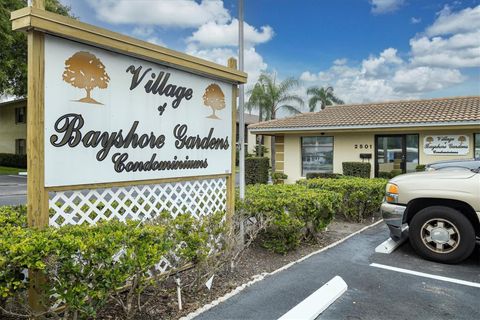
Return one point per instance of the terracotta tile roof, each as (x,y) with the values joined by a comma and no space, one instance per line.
(394,113)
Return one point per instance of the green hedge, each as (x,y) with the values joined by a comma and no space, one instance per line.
(361,198)
(420,168)
(357,169)
(391,174)
(13,160)
(85,265)
(295,213)
(385,175)
(329,175)
(256,170)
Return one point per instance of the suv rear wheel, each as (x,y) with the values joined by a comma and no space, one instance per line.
(442,234)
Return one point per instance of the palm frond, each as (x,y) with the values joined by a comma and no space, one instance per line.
(291,98)
(312,103)
(289,108)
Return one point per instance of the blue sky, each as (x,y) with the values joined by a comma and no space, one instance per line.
(368,50)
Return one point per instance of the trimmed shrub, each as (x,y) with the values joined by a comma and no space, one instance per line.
(391,174)
(13,160)
(327,175)
(256,170)
(84,265)
(284,234)
(357,169)
(294,212)
(361,198)
(385,175)
(13,216)
(396,172)
(420,168)
(278,177)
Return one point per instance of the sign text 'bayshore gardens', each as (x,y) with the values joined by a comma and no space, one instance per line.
(70,126)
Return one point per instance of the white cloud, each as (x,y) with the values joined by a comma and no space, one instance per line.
(214,34)
(178,13)
(253,61)
(436,61)
(362,83)
(414,20)
(143,31)
(385,6)
(459,51)
(382,77)
(449,22)
(156,40)
(452,41)
(147,33)
(214,31)
(340,62)
(308,76)
(375,66)
(423,78)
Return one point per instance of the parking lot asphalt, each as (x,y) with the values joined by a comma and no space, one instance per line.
(373,293)
(13,190)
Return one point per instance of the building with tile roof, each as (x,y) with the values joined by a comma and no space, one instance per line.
(393,136)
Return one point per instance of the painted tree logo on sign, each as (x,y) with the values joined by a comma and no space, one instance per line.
(214,98)
(85,71)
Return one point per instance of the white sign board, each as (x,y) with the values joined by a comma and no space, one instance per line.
(111,117)
(447,145)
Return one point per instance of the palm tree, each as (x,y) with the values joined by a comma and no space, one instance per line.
(325,96)
(269,97)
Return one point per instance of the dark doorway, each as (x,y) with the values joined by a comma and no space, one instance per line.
(398,153)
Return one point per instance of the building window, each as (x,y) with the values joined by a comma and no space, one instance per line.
(21,115)
(317,154)
(20,146)
(476,151)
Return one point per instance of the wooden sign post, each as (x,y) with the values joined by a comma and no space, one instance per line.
(143,117)
(37,197)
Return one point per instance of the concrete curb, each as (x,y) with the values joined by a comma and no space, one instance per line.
(262,276)
(317,302)
(389,245)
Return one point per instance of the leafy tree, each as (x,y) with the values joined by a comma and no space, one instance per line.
(324,96)
(84,70)
(13,44)
(270,97)
(214,98)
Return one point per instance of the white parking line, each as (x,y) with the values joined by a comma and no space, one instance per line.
(318,301)
(427,275)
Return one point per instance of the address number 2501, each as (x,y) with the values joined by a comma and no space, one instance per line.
(363,146)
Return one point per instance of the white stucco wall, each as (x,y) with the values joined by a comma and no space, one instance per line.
(344,147)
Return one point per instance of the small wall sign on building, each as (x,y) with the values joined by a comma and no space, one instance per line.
(448,145)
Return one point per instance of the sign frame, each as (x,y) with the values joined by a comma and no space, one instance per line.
(37,22)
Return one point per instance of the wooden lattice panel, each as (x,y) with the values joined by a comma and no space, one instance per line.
(197,197)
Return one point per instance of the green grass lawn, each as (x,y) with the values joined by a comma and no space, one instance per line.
(9,170)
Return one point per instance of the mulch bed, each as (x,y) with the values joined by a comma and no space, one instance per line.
(255,260)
